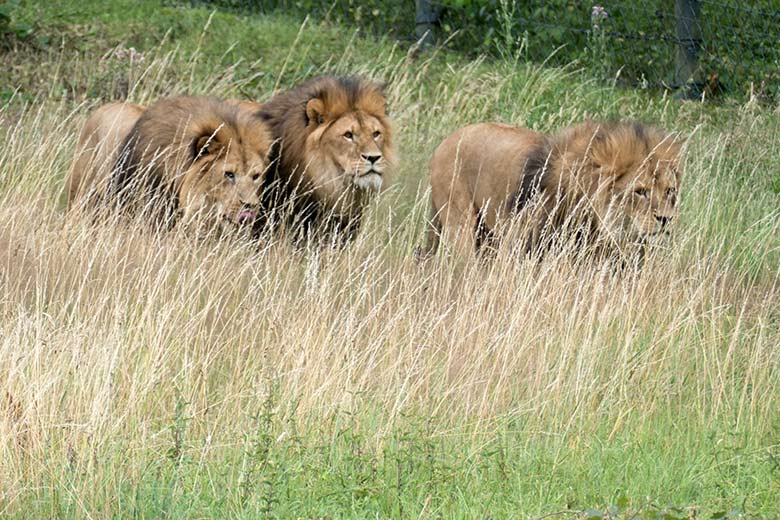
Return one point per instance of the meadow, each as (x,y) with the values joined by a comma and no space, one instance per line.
(152,375)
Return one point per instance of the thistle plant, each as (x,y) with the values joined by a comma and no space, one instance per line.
(597,44)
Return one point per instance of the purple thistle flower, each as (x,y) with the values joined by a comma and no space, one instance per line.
(597,15)
(598,12)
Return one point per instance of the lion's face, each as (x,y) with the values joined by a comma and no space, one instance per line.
(224,182)
(651,200)
(347,157)
(347,149)
(644,197)
(354,146)
(638,174)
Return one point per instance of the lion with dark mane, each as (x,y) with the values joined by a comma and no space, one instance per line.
(333,152)
(183,157)
(610,184)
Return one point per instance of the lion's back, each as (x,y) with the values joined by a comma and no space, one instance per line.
(101,137)
(481,162)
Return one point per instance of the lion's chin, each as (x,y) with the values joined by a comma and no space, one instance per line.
(371,181)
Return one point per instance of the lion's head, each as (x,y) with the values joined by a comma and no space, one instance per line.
(204,157)
(626,175)
(225,179)
(335,141)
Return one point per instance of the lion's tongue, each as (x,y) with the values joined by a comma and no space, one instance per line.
(246,215)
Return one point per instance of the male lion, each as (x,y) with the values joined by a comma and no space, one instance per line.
(333,151)
(610,184)
(183,156)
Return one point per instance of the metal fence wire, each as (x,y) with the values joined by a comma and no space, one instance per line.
(705,48)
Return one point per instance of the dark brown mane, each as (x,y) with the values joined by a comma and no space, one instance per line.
(285,113)
(533,171)
(290,181)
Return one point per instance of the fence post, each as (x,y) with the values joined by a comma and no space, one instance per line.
(424,19)
(687,13)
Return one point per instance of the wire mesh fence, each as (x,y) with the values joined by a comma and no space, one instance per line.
(705,48)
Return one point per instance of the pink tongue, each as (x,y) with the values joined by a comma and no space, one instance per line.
(245,216)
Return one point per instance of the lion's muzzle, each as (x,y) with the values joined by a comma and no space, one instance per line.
(370,180)
(246,216)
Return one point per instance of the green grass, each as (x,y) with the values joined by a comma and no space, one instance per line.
(160,376)
(339,471)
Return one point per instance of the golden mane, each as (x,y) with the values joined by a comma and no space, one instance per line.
(170,135)
(174,142)
(573,162)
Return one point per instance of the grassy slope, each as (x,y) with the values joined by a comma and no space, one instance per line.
(155,376)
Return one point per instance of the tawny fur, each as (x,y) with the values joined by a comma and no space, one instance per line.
(183,156)
(100,139)
(245,105)
(612,182)
(328,131)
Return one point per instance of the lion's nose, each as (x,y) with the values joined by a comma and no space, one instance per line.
(663,220)
(372,158)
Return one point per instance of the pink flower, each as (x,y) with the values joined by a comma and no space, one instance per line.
(597,15)
(598,12)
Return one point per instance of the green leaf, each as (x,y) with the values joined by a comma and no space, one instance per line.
(23,29)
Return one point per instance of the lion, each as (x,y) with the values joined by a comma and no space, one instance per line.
(183,157)
(333,152)
(614,183)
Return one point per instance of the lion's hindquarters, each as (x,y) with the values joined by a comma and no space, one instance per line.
(99,143)
(474,173)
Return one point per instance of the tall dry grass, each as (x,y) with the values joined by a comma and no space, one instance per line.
(108,332)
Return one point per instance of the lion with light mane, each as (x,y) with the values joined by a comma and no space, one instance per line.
(614,183)
(333,152)
(183,157)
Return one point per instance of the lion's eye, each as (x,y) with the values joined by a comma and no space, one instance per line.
(255,176)
(348,135)
(230,176)
(377,134)
(671,192)
(642,192)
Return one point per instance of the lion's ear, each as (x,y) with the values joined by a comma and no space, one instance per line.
(208,142)
(315,111)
